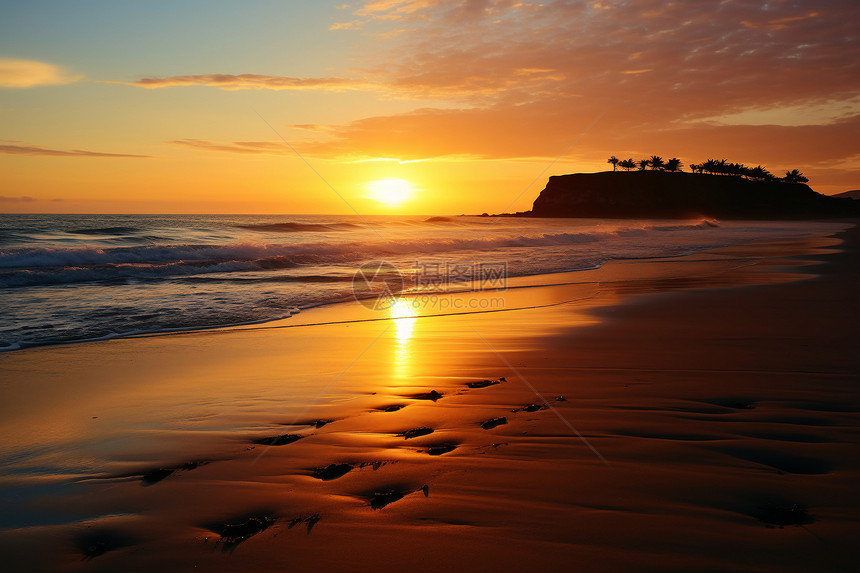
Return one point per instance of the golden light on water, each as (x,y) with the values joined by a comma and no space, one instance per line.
(390,191)
(404,323)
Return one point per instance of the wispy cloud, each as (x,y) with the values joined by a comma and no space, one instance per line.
(36,150)
(352,25)
(252,82)
(529,73)
(27,199)
(389,160)
(246,147)
(30,73)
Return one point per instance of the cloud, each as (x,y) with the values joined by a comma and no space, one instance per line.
(27,199)
(36,150)
(529,76)
(773,82)
(673,60)
(247,147)
(29,73)
(314,127)
(252,82)
(353,25)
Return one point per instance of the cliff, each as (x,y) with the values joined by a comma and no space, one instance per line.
(657,194)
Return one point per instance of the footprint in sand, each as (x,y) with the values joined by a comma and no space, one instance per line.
(332,471)
(308,521)
(280,440)
(431,395)
(156,475)
(312,423)
(416,432)
(530,408)
(391,407)
(483,383)
(380,499)
(99,541)
(236,531)
(781,515)
(439,449)
(494,422)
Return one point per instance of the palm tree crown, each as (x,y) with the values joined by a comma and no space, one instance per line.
(628,164)
(673,165)
(795,176)
(614,161)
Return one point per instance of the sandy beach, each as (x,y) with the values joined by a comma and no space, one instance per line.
(690,413)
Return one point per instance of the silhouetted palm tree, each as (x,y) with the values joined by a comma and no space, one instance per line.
(627,164)
(644,164)
(760,173)
(673,165)
(614,161)
(656,162)
(795,176)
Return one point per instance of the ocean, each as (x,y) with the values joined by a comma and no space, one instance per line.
(76,278)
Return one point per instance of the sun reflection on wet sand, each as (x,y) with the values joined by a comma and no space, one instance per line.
(404,323)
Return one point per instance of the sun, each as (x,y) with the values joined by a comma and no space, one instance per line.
(390,191)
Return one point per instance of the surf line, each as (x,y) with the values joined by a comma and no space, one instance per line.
(239,328)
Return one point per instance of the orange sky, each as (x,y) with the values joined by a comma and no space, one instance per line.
(475,103)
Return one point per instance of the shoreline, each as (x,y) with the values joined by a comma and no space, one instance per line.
(523,491)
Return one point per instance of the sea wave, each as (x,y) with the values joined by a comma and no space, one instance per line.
(292,227)
(105,231)
(31,266)
(31,257)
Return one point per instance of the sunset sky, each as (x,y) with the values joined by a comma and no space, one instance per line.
(462,106)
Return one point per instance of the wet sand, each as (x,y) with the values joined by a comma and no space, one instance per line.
(698,413)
